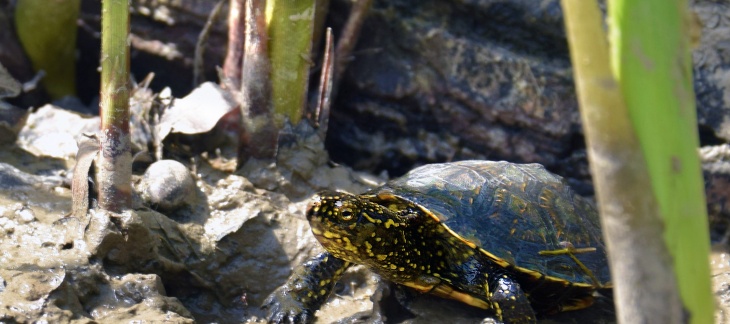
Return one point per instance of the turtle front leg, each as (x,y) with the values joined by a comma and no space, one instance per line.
(306,290)
(509,301)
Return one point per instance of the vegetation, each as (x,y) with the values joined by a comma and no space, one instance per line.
(648,180)
(47,30)
(291,27)
(115,163)
(651,59)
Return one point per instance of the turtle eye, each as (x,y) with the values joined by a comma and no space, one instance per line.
(346,214)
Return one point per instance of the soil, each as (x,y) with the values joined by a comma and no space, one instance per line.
(217,254)
(213,259)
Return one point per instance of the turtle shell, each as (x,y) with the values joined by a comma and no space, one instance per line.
(513,212)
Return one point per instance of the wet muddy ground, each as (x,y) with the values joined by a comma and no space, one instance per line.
(235,238)
(224,242)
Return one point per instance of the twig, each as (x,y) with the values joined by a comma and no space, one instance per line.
(350,34)
(198,64)
(322,112)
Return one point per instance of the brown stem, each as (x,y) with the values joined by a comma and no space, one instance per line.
(234,54)
(198,65)
(322,112)
(259,134)
(350,34)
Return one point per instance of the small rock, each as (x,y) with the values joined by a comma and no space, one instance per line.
(7,225)
(25,215)
(167,185)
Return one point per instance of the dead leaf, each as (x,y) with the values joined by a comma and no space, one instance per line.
(197,113)
(88,149)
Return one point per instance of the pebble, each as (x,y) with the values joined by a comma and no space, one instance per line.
(25,215)
(167,185)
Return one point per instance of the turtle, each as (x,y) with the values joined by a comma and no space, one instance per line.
(511,238)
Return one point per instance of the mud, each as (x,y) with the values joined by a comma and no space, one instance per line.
(212,260)
(215,258)
(425,85)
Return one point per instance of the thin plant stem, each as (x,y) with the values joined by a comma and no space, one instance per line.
(115,163)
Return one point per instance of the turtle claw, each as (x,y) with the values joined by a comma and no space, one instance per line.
(290,318)
(306,290)
(283,309)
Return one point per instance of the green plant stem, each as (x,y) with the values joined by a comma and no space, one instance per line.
(115,164)
(644,283)
(651,57)
(291,25)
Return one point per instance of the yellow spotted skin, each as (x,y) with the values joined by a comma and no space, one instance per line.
(512,239)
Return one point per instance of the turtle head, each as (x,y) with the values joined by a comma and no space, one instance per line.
(342,222)
(363,229)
